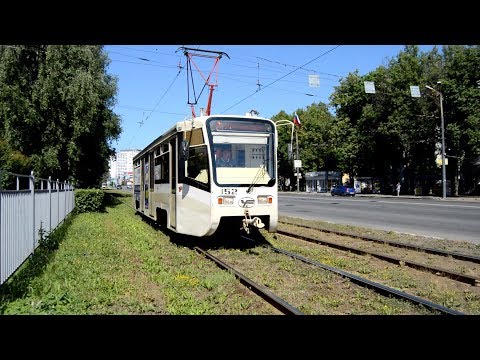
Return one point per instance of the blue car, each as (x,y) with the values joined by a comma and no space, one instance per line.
(343,191)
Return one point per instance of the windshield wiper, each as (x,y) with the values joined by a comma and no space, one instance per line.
(261,171)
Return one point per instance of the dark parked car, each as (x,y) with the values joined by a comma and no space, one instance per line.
(119,186)
(343,191)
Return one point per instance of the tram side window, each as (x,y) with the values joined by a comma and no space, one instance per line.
(197,164)
(162,169)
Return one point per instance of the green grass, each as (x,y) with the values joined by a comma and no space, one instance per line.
(397,277)
(115,263)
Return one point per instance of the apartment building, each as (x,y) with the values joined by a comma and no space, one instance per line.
(121,167)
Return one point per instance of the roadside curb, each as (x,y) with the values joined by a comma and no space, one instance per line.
(456,198)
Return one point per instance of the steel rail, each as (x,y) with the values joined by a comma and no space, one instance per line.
(371,284)
(274,300)
(454,254)
(393,259)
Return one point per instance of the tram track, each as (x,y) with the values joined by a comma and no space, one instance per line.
(283,298)
(385,290)
(287,308)
(271,298)
(403,260)
(425,249)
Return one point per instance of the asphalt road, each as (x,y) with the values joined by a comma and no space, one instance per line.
(452,219)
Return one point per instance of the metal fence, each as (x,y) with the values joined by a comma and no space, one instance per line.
(29,206)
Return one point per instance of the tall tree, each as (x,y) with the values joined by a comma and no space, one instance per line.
(394,133)
(408,127)
(56,108)
(460,86)
(355,128)
(317,141)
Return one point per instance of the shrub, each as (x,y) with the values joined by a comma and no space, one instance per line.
(89,200)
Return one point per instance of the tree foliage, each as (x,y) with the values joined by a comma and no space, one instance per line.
(56,109)
(314,138)
(461,73)
(398,135)
(391,135)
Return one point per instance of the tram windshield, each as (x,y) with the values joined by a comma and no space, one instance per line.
(242,151)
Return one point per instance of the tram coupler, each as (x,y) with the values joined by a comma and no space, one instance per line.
(256,221)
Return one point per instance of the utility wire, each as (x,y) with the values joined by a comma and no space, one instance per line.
(165,93)
(143,109)
(220,72)
(143,63)
(143,50)
(276,62)
(275,69)
(249,83)
(158,102)
(273,82)
(301,67)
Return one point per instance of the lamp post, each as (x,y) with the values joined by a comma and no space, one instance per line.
(298,168)
(444,172)
(288,122)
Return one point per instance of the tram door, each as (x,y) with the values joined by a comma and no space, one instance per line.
(151,182)
(146,184)
(173,183)
(142,185)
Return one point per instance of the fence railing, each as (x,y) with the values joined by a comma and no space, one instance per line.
(29,207)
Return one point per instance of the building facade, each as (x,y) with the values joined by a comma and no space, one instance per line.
(322,181)
(121,167)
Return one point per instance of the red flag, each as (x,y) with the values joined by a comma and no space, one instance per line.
(296,120)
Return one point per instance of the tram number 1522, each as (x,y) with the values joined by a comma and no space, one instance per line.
(229,191)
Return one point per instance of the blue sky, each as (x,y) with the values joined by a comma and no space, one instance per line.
(153,89)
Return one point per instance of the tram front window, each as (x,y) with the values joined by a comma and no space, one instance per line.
(242,154)
(240,164)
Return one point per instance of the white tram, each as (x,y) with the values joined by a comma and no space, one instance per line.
(181,183)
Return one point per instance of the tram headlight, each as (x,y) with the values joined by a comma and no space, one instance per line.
(225,200)
(264,199)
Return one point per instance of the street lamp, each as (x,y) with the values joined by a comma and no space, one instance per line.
(288,122)
(444,172)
